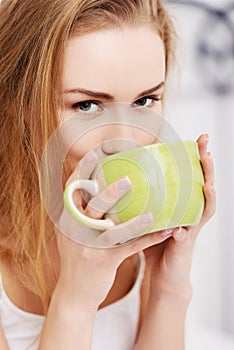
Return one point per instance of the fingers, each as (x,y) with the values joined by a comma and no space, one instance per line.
(179,234)
(103,201)
(107,198)
(208,167)
(133,228)
(202,144)
(209,178)
(146,241)
(210,203)
(85,167)
(182,242)
(125,231)
(83,171)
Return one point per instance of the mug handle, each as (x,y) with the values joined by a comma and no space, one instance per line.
(90,186)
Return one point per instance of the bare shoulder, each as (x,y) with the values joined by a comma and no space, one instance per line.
(19,294)
(3,341)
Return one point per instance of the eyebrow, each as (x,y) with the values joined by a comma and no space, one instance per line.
(108,97)
(150,91)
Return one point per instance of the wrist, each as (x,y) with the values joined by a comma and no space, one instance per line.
(69,299)
(68,324)
(165,311)
(178,294)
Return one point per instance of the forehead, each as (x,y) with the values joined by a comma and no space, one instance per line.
(129,58)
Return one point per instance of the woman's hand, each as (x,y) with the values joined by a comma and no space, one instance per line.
(86,273)
(170,261)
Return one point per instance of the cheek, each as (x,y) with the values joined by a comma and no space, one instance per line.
(76,152)
(83,145)
(158,108)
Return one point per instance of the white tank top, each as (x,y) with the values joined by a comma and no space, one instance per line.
(115,325)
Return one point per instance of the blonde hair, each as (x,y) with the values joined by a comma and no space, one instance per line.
(33,36)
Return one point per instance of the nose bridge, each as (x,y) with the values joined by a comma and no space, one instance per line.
(122,119)
(122,133)
(119,134)
(119,114)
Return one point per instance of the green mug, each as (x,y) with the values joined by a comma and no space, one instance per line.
(167,180)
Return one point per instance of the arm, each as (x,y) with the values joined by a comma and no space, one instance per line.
(84,281)
(86,276)
(169,265)
(69,323)
(163,323)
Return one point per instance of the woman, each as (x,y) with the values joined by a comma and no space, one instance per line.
(59,58)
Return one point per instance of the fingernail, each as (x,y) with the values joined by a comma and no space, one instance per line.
(207,137)
(212,186)
(179,233)
(147,219)
(209,155)
(166,232)
(123,185)
(179,230)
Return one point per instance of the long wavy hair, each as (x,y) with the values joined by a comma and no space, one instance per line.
(33,36)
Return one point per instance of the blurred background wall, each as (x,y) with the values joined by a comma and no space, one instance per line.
(201,100)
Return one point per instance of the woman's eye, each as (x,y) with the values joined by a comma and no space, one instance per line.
(87,106)
(147,101)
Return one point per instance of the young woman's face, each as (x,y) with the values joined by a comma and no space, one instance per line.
(112,68)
